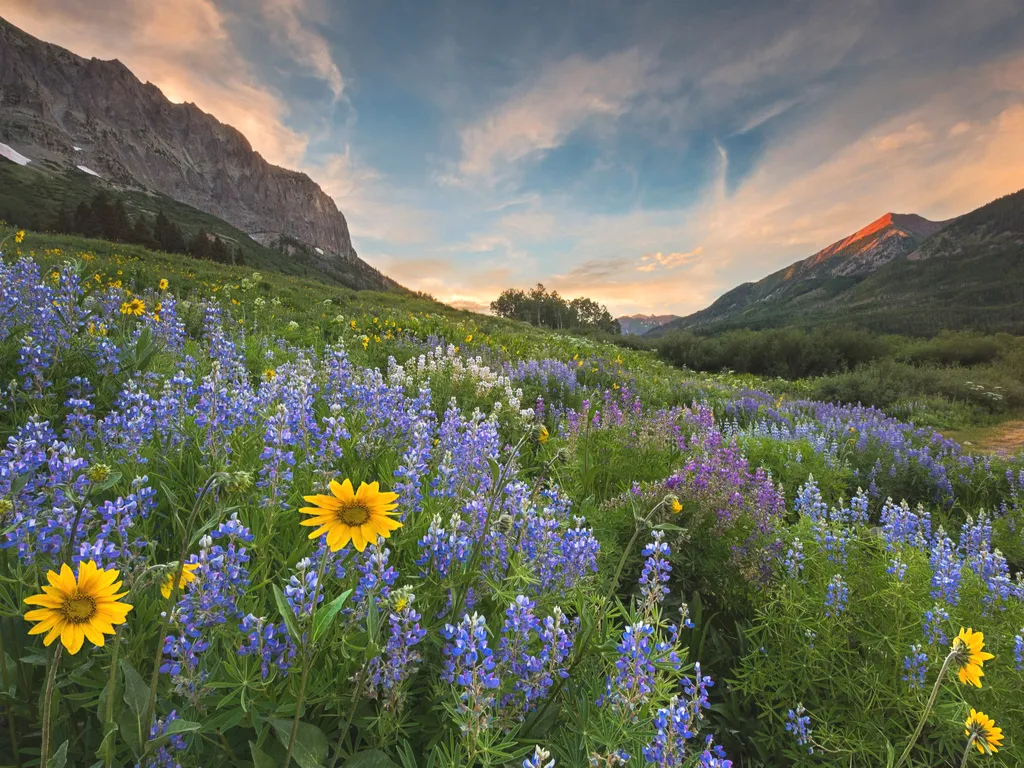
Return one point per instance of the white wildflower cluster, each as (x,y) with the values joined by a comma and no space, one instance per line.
(446,362)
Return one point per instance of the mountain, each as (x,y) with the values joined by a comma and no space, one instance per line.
(641,324)
(900,274)
(91,117)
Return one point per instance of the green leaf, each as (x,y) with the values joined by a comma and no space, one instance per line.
(325,616)
(373,621)
(310,748)
(286,613)
(174,727)
(668,527)
(112,479)
(130,728)
(59,758)
(370,758)
(261,759)
(136,692)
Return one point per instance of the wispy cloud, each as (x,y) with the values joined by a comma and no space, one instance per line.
(652,261)
(561,101)
(292,22)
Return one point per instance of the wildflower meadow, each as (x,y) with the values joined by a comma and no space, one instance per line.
(248,520)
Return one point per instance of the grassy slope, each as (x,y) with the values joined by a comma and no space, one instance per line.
(31,196)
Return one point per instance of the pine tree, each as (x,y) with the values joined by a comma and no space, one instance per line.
(85,223)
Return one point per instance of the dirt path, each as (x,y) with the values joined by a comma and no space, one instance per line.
(1007,438)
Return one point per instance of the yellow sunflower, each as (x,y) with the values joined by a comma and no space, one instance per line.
(19,236)
(347,515)
(969,656)
(163,283)
(187,577)
(135,307)
(78,610)
(676,506)
(982,731)
(542,434)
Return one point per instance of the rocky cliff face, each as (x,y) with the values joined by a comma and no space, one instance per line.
(62,108)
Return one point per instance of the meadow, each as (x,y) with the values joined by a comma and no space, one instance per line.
(252,520)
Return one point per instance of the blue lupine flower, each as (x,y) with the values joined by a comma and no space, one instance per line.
(656,572)
(915,666)
(794,561)
(934,621)
(799,724)
(539,759)
(946,570)
(836,596)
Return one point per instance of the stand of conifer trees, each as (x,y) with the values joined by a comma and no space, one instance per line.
(106,218)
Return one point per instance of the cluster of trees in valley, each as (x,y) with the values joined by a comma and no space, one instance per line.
(547,309)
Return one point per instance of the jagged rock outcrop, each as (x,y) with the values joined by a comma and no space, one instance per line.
(57,106)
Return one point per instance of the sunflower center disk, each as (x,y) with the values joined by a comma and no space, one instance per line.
(79,608)
(355,515)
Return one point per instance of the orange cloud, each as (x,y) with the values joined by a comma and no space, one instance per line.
(651,261)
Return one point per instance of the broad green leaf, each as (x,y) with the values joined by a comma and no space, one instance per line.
(668,527)
(59,758)
(261,759)
(136,692)
(371,758)
(286,613)
(174,727)
(130,728)
(325,616)
(310,748)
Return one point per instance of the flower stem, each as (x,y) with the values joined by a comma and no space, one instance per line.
(927,710)
(348,718)
(51,678)
(175,586)
(108,716)
(10,707)
(307,658)
(967,752)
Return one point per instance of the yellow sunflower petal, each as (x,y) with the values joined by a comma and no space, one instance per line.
(87,577)
(93,634)
(55,632)
(48,601)
(45,624)
(323,502)
(338,537)
(358,540)
(63,581)
(72,637)
(343,491)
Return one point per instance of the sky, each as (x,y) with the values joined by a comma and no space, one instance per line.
(648,154)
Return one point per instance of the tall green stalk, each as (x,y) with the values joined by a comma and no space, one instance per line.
(51,678)
(173,598)
(10,707)
(307,660)
(927,708)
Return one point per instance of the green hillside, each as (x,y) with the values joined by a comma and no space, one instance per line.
(33,196)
